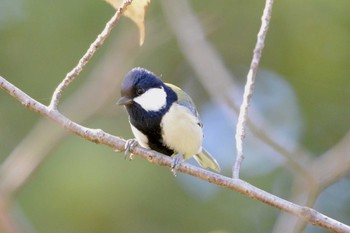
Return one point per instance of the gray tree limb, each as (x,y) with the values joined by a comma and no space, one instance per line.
(99,136)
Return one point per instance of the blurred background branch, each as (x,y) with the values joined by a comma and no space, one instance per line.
(83,192)
(215,77)
(88,55)
(208,65)
(82,105)
(326,170)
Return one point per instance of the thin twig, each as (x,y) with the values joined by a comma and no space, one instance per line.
(88,55)
(207,64)
(99,136)
(81,105)
(293,163)
(249,87)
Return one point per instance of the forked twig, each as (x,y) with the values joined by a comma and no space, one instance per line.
(88,55)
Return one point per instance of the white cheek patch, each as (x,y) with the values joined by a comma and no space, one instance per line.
(153,99)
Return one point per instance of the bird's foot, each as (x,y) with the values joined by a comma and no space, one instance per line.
(129,145)
(178,158)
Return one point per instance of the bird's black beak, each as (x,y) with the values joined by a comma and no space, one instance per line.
(124,101)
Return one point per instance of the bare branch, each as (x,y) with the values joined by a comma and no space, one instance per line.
(22,173)
(249,87)
(325,170)
(99,136)
(6,222)
(88,55)
(207,64)
(303,193)
(85,102)
(333,164)
(202,57)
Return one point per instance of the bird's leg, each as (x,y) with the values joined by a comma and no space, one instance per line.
(129,145)
(178,158)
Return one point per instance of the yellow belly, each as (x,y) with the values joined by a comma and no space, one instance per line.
(181,131)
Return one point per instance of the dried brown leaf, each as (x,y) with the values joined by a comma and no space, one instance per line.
(136,12)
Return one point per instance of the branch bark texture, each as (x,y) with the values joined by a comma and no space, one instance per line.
(207,63)
(9,182)
(249,87)
(88,55)
(99,136)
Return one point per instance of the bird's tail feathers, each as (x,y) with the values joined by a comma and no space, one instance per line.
(206,160)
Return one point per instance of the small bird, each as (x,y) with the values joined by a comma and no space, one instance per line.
(163,118)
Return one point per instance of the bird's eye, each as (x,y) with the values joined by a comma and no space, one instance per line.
(140,91)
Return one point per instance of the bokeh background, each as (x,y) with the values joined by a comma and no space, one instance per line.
(301,100)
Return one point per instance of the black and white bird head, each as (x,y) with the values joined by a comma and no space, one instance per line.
(143,91)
